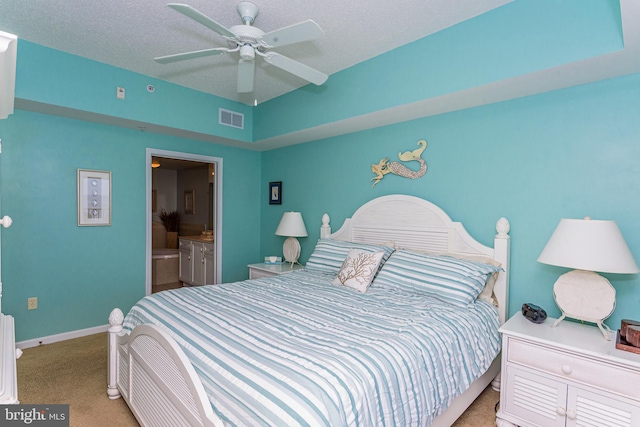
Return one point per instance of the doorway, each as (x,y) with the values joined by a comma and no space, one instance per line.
(208,218)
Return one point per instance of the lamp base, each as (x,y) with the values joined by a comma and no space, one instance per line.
(291,250)
(586,296)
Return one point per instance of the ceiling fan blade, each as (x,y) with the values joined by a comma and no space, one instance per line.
(190,55)
(192,13)
(296,68)
(246,73)
(303,31)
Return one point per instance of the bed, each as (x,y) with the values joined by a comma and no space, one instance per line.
(303,349)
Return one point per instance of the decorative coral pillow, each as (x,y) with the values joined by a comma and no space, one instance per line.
(358,269)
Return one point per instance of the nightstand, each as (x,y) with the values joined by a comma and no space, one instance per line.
(566,376)
(259,270)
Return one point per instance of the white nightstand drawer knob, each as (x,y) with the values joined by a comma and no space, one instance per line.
(566,369)
(561,411)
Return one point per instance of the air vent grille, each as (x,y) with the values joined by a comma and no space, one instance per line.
(230,118)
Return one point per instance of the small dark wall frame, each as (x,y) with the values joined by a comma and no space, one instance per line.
(275,193)
(190,202)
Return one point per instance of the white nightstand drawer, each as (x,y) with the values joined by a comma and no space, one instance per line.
(575,368)
(258,274)
(257,271)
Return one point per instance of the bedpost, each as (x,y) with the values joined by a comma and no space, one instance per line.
(116,319)
(501,251)
(325,229)
(501,247)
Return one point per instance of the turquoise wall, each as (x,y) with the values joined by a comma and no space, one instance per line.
(566,154)
(518,38)
(60,79)
(79,274)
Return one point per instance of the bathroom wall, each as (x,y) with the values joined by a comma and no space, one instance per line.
(196,180)
(165,185)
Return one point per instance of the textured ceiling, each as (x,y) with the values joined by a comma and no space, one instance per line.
(130,33)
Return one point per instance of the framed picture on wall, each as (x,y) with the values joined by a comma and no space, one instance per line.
(94,197)
(189,202)
(275,193)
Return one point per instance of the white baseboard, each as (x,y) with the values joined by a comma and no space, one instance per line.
(61,337)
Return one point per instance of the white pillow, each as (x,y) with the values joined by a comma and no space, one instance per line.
(487,294)
(358,269)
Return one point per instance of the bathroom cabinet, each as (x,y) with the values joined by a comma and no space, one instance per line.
(196,261)
(185,266)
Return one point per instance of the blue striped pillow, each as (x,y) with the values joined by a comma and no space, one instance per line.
(329,254)
(449,279)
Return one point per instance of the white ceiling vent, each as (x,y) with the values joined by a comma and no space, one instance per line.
(230,118)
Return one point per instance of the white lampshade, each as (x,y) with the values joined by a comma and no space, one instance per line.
(591,245)
(291,225)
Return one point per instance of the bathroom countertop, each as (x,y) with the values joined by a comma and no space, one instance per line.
(198,238)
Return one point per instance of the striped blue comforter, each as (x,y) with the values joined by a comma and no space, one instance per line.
(296,350)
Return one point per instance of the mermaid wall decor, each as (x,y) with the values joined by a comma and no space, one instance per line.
(384,166)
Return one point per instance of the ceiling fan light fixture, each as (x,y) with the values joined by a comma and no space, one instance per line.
(247,52)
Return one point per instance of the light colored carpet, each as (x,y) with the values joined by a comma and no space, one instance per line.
(482,412)
(74,372)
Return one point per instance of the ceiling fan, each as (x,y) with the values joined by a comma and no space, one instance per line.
(250,41)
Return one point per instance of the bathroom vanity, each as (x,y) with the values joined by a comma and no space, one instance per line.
(197,260)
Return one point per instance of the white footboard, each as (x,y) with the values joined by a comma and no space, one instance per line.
(8,356)
(155,377)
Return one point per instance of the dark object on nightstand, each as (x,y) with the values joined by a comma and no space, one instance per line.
(624,324)
(533,313)
(633,335)
(628,336)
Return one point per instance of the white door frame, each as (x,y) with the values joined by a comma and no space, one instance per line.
(217,226)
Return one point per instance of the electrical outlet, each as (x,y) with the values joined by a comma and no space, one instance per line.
(120,92)
(32,303)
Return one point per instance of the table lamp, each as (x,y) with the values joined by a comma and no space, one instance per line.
(587,246)
(292,226)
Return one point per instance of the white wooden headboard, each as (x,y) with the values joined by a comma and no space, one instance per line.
(417,224)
